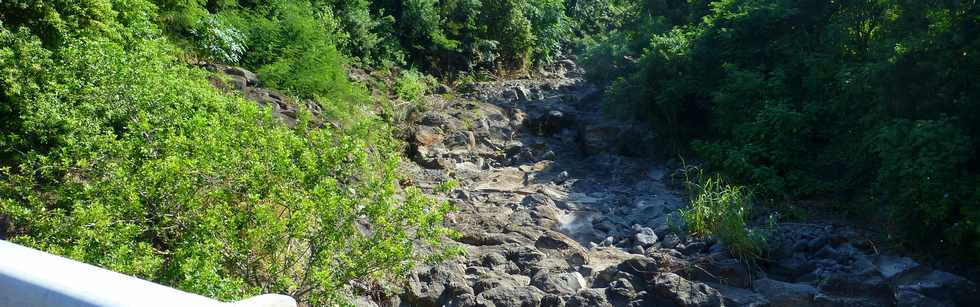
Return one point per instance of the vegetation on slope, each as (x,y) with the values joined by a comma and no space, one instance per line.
(872,103)
(115,152)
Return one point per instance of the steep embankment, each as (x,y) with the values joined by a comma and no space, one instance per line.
(559,207)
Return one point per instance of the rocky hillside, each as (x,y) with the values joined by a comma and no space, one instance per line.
(557,206)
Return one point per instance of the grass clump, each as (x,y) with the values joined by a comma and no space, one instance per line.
(721,210)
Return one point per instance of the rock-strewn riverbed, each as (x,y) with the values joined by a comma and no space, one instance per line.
(559,206)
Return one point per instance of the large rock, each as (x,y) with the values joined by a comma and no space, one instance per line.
(783,294)
(525,256)
(822,299)
(560,283)
(792,267)
(251,78)
(737,297)
(549,122)
(521,93)
(594,139)
(911,298)
(435,119)
(862,284)
(891,267)
(491,279)
(944,287)
(645,237)
(726,271)
(436,285)
(588,298)
(561,246)
(425,135)
(508,179)
(524,296)
(682,292)
(621,291)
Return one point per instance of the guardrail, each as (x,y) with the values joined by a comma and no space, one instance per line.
(30,277)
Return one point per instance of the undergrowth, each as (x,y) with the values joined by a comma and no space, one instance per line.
(722,210)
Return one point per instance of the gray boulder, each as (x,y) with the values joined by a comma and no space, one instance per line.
(944,286)
(682,292)
(434,286)
(588,298)
(737,297)
(523,296)
(891,267)
(645,237)
(251,78)
(911,298)
(560,283)
(783,294)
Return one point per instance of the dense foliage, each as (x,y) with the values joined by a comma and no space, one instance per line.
(874,103)
(441,37)
(115,152)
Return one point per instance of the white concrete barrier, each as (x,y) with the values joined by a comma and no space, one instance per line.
(30,278)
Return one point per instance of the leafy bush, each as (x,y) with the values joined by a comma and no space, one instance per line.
(868,103)
(116,153)
(919,160)
(411,85)
(220,41)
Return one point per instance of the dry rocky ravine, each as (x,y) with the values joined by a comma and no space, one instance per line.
(559,206)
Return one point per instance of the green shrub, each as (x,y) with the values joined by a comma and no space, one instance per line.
(411,85)
(508,25)
(218,40)
(867,103)
(922,166)
(551,29)
(116,153)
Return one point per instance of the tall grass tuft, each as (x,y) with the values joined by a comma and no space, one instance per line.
(721,210)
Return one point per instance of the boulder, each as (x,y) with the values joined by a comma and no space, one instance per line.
(621,291)
(425,135)
(740,297)
(594,139)
(560,283)
(891,267)
(588,298)
(822,299)
(493,259)
(725,271)
(682,292)
(521,93)
(792,267)
(463,300)
(523,296)
(434,286)
(490,279)
(238,82)
(251,78)
(552,300)
(645,237)
(783,294)
(525,256)
(670,240)
(864,284)
(435,119)
(535,199)
(363,301)
(560,246)
(911,298)
(944,286)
